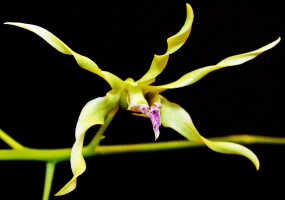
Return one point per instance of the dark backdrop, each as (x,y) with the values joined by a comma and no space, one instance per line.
(43,91)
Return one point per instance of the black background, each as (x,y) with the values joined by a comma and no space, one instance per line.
(43,91)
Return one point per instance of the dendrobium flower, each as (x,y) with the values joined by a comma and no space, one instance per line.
(143,98)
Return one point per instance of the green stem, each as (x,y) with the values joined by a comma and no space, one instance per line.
(50,167)
(64,154)
(10,141)
(182,144)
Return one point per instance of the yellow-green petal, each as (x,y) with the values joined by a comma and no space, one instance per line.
(93,113)
(82,61)
(197,74)
(173,44)
(175,117)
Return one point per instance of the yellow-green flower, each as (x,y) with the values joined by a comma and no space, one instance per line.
(143,98)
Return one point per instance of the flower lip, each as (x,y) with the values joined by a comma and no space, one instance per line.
(155,119)
(153,113)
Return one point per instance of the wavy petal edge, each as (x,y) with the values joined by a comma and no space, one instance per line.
(93,113)
(82,61)
(198,74)
(175,117)
(174,43)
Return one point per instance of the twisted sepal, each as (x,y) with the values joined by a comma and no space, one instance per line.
(82,61)
(174,43)
(175,117)
(93,113)
(197,74)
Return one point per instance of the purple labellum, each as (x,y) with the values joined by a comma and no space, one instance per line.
(155,118)
(153,113)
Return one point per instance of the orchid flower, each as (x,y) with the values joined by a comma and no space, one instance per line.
(143,98)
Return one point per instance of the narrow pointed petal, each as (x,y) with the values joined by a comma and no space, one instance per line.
(93,113)
(175,117)
(197,74)
(82,61)
(174,43)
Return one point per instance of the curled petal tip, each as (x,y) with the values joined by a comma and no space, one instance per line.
(69,187)
(274,43)
(9,23)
